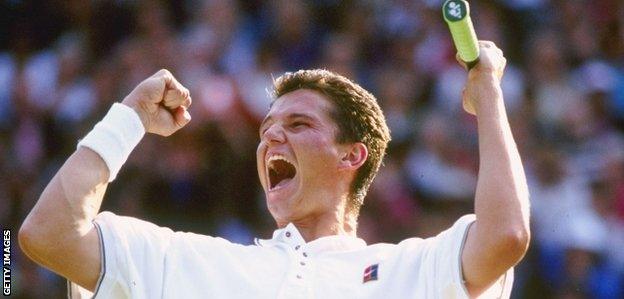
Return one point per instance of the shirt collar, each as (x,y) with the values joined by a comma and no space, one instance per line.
(290,236)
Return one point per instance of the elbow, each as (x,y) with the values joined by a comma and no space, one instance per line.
(31,241)
(27,238)
(514,243)
(521,238)
(43,241)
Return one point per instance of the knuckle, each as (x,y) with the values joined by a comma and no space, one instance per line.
(165,74)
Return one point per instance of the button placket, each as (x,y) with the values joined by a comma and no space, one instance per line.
(301,264)
(303,261)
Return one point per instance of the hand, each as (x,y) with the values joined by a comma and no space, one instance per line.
(483,77)
(161,103)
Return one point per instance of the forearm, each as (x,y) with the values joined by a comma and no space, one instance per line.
(58,232)
(73,197)
(499,238)
(501,200)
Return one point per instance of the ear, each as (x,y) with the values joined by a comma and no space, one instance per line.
(354,156)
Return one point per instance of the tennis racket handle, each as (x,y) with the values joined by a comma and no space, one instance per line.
(457,15)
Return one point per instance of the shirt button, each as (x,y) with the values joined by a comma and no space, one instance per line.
(297,247)
(302,263)
(305,254)
(299,276)
(287,234)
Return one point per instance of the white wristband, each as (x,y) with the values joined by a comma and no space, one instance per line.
(115,136)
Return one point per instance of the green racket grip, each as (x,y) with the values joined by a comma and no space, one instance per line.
(457,15)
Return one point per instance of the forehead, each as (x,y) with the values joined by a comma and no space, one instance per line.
(301,101)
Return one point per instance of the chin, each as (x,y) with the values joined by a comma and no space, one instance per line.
(277,204)
(282,208)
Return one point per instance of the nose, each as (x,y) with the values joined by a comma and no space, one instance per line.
(274,134)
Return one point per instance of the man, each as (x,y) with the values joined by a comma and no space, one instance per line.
(320,147)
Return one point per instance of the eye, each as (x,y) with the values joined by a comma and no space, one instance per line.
(263,130)
(298,124)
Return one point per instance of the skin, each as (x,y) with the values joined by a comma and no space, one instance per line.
(58,232)
(299,127)
(500,236)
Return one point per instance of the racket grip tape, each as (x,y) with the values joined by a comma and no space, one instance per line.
(457,15)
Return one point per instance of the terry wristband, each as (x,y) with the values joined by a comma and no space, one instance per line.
(115,136)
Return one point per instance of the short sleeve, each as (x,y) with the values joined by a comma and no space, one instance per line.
(133,255)
(441,260)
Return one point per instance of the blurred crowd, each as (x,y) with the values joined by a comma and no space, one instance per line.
(63,63)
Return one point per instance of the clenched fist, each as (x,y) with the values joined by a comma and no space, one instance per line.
(484,78)
(161,103)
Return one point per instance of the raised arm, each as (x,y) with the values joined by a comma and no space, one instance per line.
(500,236)
(58,232)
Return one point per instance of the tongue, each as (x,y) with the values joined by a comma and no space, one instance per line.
(282,183)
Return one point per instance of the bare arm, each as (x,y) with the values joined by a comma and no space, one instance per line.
(58,232)
(500,236)
(59,226)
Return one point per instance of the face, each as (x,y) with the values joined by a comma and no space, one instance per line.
(299,161)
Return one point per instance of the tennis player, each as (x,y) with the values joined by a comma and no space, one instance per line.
(321,145)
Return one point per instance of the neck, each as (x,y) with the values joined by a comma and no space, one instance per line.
(328,224)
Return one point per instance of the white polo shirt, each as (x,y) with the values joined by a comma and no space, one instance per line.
(141,260)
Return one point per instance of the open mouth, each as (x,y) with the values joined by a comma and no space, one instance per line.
(281,171)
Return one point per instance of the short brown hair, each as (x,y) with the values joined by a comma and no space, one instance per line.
(357,115)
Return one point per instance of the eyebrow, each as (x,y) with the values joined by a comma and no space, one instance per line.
(300,115)
(265,120)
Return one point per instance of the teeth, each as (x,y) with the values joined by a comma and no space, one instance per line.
(277,157)
(278,173)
